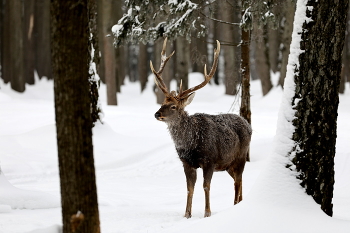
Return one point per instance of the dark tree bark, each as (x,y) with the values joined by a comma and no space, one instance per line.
(71,57)
(101,67)
(2,10)
(244,110)
(12,67)
(216,36)
(345,74)
(42,38)
(28,40)
(120,60)
(94,60)
(316,98)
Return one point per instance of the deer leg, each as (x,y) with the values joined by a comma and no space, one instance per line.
(191,177)
(236,171)
(241,193)
(207,175)
(238,189)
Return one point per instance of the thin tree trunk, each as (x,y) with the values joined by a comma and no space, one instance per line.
(14,53)
(245,72)
(101,68)
(316,98)
(230,70)
(120,51)
(143,65)
(108,53)
(216,36)
(262,63)
(70,56)
(29,43)
(42,38)
(273,41)
(2,38)
(287,25)
(182,61)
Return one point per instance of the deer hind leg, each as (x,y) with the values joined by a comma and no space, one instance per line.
(191,177)
(236,171)
(207,175)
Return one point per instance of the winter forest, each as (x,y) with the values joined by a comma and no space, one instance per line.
(174,116)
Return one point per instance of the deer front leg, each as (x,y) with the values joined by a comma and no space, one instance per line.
(207,175)
(191,177)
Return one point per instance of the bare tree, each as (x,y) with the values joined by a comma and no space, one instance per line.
(287,28)
(108,51)
(42,38)
(70,56)
(12,46)
(29,40)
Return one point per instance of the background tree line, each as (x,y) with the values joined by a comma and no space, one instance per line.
(25,46)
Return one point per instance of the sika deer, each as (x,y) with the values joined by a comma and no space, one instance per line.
(212,142)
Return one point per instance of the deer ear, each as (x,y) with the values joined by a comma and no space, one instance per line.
(189,98)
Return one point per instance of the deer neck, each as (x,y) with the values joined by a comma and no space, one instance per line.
(181,130)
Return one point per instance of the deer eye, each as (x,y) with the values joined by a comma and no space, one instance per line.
(173,107)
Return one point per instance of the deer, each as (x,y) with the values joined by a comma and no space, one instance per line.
(210,142)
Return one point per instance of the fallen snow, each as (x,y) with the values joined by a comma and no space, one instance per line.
(140,180)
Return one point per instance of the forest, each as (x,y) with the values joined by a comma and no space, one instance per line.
(81,150)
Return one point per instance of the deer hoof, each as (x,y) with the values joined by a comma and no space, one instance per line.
(188,215)
(207,214)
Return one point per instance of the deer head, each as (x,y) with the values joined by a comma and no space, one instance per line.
(174,103)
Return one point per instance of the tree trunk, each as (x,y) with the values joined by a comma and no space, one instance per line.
(2,11)
(262,63)
(245,69)
(231,70)
(120,60)
(273,41)
(199,53)
(182,61)
(70,56)
(216,36)
(42,38)
(316,98)
(28,39)
(94,51)
(143,65)
(108,52)
(345,75)
(101,68)
(287,24)
(13,40)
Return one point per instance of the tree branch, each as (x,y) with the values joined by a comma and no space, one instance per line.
(218,20)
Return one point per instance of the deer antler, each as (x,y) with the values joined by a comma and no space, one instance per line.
(184,94)
(158,74)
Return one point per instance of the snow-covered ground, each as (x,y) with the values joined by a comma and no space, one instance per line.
(140,180)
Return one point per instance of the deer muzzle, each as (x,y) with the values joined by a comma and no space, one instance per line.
(158,116)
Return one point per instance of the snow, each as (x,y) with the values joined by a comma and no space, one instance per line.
(140,180)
